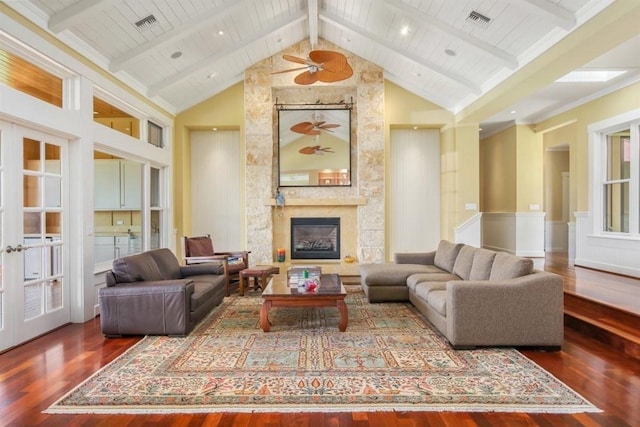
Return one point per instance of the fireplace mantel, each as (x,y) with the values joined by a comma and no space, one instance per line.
(347,201)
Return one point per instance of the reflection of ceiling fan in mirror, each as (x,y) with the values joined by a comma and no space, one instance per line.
(313,128)
(316,149)
(323,65)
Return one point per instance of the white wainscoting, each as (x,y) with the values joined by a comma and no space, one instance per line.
(556,236)
(519,233)
(470,232)
(607,253)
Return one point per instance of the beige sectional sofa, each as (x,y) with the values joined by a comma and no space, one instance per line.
(474,296)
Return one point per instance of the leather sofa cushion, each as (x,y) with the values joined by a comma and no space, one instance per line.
(446,255)
(464,261)
(203,291)
(506,266)
(136,268)
(482,263)
(166,262)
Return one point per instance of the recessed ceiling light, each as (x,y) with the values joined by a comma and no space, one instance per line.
(450,52)
(415,128)
(214,128)
(513,111)
(590,76)
(404,30)
(176,55)
(221,32)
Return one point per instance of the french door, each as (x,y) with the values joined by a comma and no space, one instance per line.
(34,297)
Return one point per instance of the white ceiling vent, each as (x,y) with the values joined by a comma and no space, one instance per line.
(479,19)
(146,23)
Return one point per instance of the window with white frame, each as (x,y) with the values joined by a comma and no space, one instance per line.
(615,168)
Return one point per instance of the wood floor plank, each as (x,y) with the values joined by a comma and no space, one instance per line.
(36,374)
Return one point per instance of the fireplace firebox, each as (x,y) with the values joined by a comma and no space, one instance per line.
(315,238)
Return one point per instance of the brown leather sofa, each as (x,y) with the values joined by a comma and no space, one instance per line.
(151,294)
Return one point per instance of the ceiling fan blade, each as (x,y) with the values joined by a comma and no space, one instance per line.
(287,71)
(303,127)
(296,59)
(313,132)
(331,61)
(306,78)
(329,77)
(328,126)
(308,150)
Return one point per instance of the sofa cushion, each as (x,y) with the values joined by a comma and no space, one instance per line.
(166,262)
(416,279)
(438,300)
(203,291)
(464,260)
(389,274)
(506,266)
(446,255)
(482,263)
(136,268)
(423,289)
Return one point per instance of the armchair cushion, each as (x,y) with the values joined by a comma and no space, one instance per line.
(199,269)
(199,246)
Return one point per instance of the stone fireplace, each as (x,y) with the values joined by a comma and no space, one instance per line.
(360,206)
(315,238)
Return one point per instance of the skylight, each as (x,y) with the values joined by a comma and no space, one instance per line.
(590,76)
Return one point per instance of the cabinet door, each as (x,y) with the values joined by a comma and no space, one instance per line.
(103,249)
(131,185)
(106,184)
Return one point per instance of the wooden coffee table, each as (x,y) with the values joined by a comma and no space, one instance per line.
(278,293)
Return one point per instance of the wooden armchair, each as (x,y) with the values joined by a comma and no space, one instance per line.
(199,249)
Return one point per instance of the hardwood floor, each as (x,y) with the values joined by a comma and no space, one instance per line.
(37,373)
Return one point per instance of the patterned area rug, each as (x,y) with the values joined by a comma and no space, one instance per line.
(389,358)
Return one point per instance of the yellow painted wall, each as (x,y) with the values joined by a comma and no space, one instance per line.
(223,111)
(498,162)
(529,169)
(613,104)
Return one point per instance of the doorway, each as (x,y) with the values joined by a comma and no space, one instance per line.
(34,297)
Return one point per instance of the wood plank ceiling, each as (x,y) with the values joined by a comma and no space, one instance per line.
(450,52)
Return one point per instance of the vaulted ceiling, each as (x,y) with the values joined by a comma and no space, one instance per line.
(450,52)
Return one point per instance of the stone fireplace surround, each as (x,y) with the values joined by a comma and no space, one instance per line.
(360,206)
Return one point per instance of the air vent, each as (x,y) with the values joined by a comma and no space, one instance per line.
(145,23)
(479,19)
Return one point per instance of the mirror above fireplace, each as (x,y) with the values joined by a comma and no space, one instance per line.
(314,147)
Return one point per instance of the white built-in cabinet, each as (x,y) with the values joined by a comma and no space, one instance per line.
(118,184)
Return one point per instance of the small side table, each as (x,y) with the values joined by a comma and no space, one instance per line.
(256,272)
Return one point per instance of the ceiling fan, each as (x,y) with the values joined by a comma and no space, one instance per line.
(313,128)
(316,149)
(323,65)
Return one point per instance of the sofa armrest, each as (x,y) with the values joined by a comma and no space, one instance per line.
(425,258)
(154,308)
(528,310)
(200,269)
